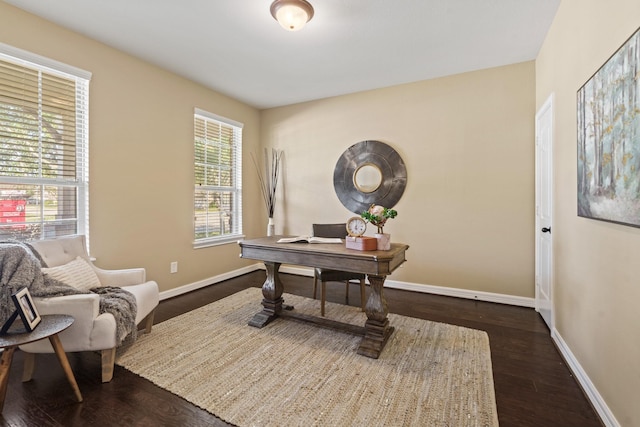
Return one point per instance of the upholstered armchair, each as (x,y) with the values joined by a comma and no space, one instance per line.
(91,330)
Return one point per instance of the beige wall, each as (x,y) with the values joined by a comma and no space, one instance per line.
(467,141)
(596,274)
(141,137)
(468,144)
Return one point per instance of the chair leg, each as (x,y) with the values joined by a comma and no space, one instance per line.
(363,303)
(29,366)
(323,294)
(346,298)
(315,285)
(148,321)
(108,360)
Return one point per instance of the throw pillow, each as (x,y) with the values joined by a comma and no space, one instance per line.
(77,273)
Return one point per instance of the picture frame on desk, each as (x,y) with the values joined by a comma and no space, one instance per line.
(26,309)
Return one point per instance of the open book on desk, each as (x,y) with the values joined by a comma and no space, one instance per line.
(310,239)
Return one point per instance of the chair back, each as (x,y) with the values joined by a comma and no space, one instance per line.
(61,250)
(330,230)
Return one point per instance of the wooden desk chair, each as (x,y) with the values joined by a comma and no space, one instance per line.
(325,275)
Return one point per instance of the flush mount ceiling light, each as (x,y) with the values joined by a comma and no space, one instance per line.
(292,14)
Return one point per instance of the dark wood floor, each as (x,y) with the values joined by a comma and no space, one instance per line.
(533,385)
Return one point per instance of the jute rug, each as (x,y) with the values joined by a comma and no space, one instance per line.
(291,373)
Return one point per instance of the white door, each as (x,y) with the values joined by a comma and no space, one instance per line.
(544,211)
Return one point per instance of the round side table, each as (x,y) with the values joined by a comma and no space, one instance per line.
(49,327)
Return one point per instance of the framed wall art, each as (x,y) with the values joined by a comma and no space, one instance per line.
(609,139)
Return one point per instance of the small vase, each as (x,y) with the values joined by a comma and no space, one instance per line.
(384,241)
(271,227)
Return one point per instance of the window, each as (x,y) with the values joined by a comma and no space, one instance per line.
(218,179)
(44,110)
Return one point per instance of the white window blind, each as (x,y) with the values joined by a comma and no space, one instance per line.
(43,147)
(218,179)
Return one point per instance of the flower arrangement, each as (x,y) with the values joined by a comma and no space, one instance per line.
(378,216)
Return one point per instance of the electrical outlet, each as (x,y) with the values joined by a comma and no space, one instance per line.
(174,267)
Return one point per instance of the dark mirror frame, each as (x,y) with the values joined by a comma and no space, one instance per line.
(377,154)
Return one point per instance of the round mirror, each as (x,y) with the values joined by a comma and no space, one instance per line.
(367,178)
(369,172)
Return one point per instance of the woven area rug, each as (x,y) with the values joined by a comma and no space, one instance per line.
(292,373)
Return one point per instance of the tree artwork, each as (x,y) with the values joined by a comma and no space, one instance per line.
(609,139)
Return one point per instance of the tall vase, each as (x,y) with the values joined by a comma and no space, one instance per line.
(384,241)
(271,227)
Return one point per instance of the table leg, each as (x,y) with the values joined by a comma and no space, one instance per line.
(272,290)
(377,329)
(62,357)
(5,365)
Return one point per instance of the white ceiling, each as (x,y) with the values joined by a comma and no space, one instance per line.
(235,47)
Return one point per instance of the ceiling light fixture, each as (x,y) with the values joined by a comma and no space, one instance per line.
(292,15)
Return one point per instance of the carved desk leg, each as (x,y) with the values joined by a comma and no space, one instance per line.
(377,329)
(272,290)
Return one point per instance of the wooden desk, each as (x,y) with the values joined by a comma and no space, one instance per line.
(49,327)
(375,264)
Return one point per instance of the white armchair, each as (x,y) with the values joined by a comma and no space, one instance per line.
(91,331)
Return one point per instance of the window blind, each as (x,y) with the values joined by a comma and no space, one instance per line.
(218,179)
(43,149)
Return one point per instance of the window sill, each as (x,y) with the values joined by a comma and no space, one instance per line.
(217,241)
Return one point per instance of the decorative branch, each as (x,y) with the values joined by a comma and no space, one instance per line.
(269,181)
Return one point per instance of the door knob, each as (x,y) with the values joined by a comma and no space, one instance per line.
(546,229)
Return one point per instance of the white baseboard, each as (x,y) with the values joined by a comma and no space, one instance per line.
(430,289)
(392,284)
(206,282)
(590,390)
(461,293)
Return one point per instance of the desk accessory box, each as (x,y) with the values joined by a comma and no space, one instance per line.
(362,243)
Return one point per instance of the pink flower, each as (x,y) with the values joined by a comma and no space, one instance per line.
(376,210)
